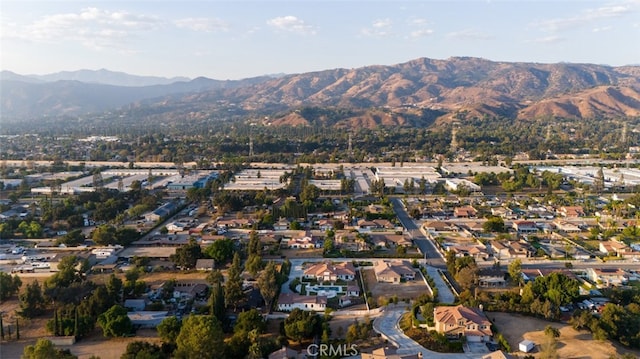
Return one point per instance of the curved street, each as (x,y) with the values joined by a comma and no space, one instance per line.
(387,325)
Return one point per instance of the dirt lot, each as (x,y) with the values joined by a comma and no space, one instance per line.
(93,345)
(571,344)
(410,289)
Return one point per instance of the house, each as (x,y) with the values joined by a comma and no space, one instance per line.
(566,226)
(147,319)
(489,278)
(330,272)
(282,224)
(353,290)
(364,224)
(235,223)
(504,212)
(572,211)
(388,353)
(476,252)
(461,321)
(500,250)
(135,305)
(383,239)
(189,290)
(290,301)
(439,226)
(393,272)
(161,212)
(326,224)
(205,264)
(520,250)
(284,353)
(608,276)
(525,226)
(303,243)
(465,212)
(614,248)
(174,227)
(384,224)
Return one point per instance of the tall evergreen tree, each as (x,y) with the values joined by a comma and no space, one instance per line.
(233,288)
(268,284)
(217,302)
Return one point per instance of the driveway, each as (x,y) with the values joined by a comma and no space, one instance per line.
(387,326)
(445,295)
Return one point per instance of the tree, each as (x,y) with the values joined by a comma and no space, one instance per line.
(214,277)
(302,324)
(551,331)
(44,349)
(217,302)
(249,321)
(9,286)
(494,224)
(115,322)
(169,329)
(328,246)
(221,250)
(515,271)
(268,284)
(549,348)
(104,235)
(200,337)
(32,301)
(72,239)
(467,277)
(598,181)
(187,255)
(143,350)
(233,293)
(254,264)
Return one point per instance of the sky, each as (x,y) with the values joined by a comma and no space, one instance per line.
(240,39)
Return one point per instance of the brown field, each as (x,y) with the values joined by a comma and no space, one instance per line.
(571,344)
(410,289)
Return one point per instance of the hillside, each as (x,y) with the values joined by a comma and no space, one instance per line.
(415,93)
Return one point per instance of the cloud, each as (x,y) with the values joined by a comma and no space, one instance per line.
(421,28)
(549,39)
(92,27)
(468,34)
(602,29)
(420,33)
(588,16)
(202,24)
(378,28)
(291,24)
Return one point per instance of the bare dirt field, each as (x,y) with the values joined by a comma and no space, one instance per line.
(571,344)
(94,345)
(409,289)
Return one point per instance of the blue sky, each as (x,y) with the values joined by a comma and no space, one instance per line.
(239,39)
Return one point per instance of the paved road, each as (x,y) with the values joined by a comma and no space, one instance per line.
(426,246)
(387,326)
(445,295)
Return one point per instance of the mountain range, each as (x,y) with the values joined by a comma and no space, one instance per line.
(415,93)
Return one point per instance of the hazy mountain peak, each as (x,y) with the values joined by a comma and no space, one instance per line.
(107,77)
